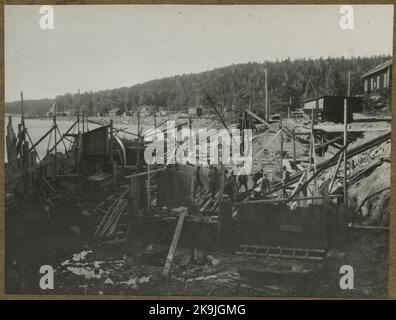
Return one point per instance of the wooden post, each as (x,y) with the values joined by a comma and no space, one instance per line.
(83,120)
(294,147)
(314,163)
(175,240)
(22,111)
(345,150)
(311,144)
(222,173)
(78,111)
(281,144)
(349,84)
(111,141)
(166,144)
(335,173)
(266,95)
(148,187)
(138,137)
(155,126)
(23,155)
(56,142)
(21,134)
(190,142)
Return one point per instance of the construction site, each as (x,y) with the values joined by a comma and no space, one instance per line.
(316,198)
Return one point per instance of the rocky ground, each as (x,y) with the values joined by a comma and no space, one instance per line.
(121,267)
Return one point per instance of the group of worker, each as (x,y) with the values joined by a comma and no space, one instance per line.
(235,182)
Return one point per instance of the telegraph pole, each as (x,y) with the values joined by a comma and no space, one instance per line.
(266,95)
(22,112)
(78,111)
(345,150)
(349,84)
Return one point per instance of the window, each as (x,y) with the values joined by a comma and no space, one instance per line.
(378,82)
(385,81)
(372,84)
(365,85)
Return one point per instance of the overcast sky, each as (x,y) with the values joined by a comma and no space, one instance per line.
(105,47)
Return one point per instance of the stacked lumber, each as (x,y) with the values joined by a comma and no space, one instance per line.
(108,225)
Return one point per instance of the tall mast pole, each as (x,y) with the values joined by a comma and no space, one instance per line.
(266,95)
(349,84)
(55,129)
(138,144)
(78,111)
(22,112)
(345,150)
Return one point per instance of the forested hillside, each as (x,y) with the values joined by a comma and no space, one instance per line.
(233,86)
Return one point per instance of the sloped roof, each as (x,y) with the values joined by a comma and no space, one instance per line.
(114,110)
(377,68)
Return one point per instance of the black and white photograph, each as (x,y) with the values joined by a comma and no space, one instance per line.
(198,150)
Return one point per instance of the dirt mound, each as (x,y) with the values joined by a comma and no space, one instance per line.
(369,196)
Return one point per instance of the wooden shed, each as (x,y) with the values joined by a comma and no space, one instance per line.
(331,108)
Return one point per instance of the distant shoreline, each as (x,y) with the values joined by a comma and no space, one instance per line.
(120,120)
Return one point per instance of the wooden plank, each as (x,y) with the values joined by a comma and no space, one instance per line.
(175,240)
(354,226)
(335,172)
(140,174)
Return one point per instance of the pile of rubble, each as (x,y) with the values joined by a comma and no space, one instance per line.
(129,268)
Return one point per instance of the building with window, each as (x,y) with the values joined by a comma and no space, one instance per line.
(331,108)
(115,112)
(378,78)
(377,85)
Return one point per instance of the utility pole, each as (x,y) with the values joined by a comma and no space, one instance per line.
(138,144)
(281,146)
(83,119)
(345,150)
(21,139)
(349,84)
(190,142)
(289,108)
(78,111)
(148,187)
(294,146)
(155,126)
(266,95)
(56,151)
(22,112)
(111,140)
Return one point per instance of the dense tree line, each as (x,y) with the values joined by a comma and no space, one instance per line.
(235,86)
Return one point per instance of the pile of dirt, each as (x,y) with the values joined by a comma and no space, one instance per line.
(369,195)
